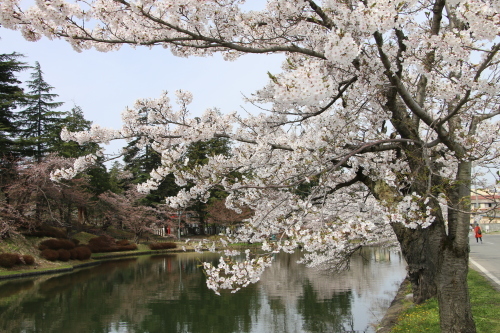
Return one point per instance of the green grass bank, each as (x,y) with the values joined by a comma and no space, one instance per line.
(485,302)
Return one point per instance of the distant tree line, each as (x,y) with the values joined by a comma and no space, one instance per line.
(31,120)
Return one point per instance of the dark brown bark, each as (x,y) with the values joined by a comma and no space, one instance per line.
(453,294)
(421,249)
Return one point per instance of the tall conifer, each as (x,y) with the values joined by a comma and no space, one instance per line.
(11,94)
(39,120)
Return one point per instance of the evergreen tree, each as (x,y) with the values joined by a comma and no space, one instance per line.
(74,121)
(140,159)
(39,121)
(199,154)
(11,94)
(116,178)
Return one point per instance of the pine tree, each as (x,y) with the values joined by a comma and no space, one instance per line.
(73,121)
(140,159)
(11,94)
(39,121)
(199,153)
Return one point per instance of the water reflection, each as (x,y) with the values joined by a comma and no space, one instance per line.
(168,294)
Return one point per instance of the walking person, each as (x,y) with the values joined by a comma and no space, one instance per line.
(478,233)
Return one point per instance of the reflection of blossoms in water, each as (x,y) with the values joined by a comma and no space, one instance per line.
(235,274)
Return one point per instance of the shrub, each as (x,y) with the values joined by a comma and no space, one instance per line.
(80,253)
(66,244)
(48,231)
(122,242)
(28,260)
(19,260)
(162,246)
(9,260)
(129,247)
(102,244)
(64,254)
(49,254)
(75,241)
(56,244)
(73,254)
(83,252)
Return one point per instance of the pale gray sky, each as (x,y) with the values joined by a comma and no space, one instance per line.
(104,84)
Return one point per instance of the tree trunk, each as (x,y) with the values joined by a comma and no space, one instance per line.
(453,292)
(421,249)
(82,217)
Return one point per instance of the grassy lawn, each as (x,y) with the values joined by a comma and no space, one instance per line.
(485,301)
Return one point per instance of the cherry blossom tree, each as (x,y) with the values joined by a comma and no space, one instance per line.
(375,121)
(126,211)
(35,199)
(218,213)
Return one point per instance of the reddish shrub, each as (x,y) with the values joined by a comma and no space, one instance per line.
(66,244)
(48,231)
(56,244)
(129,247)
(73,254)
(28,260)
(19,260)
(122,242)
(64,254)
(162,246)
(83,252)
(102,244)
(49,254)
(8,260)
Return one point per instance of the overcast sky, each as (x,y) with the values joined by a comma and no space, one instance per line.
(104,84)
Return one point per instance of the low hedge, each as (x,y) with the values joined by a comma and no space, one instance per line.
(49,254)
(108,244)
(9,260)
(162,246)
(80,253)
(64,255)
(45,230)
(56,244)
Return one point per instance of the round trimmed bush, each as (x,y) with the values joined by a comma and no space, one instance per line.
(51,255)
(64,255)
(9,260)
(48,231)
(162,246)
(28,260)
(83,252)
(73,254)
(103,243)
(129,247)
(56,244)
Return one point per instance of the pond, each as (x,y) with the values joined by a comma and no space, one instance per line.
(167,293)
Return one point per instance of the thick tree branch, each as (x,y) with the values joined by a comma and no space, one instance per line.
(326,20)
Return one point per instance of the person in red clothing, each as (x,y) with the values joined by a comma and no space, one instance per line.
(478,233)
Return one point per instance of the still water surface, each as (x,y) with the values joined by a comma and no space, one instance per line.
(167,293)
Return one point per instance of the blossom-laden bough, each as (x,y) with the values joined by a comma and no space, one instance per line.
(374,123)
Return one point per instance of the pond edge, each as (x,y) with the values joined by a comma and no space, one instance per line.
(96,261)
